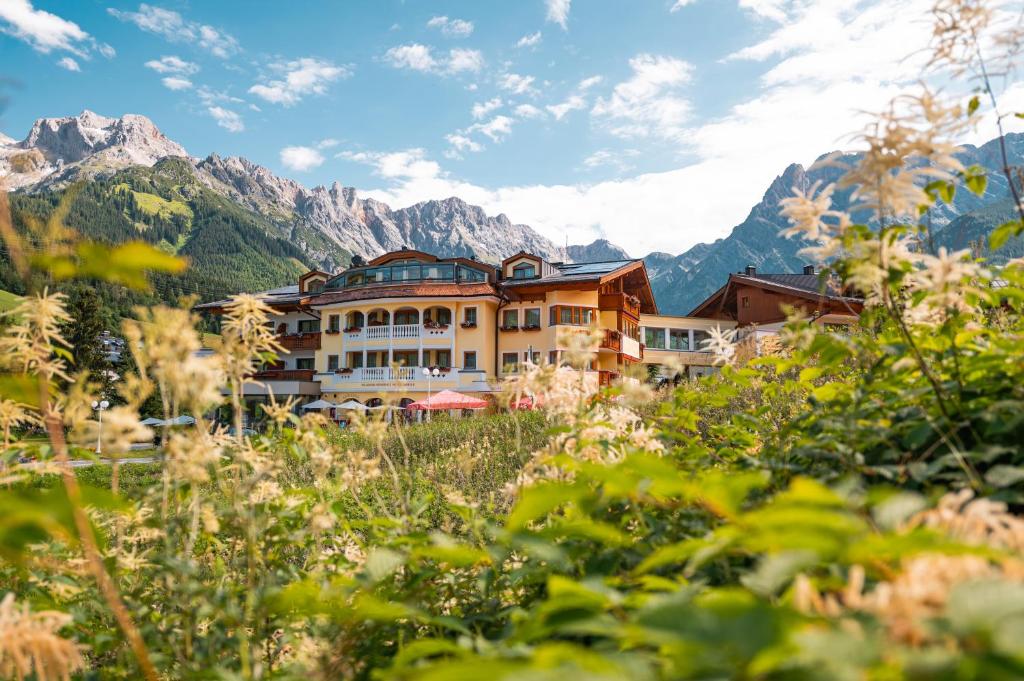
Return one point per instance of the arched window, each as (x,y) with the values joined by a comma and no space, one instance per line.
(407,315)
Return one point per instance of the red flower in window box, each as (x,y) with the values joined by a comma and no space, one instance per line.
(346,370)
(352,329)
(468,325)
(332,332)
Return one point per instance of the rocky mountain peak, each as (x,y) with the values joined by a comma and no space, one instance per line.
(73,138)
(598,251)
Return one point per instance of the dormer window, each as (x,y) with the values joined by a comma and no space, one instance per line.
(315,286)
(524,271)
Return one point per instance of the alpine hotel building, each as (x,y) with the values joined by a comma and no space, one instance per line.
(368,332)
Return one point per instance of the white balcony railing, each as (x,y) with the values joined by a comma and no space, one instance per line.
(630,347)
(376,378)
(399,332)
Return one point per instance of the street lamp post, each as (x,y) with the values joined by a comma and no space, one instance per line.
(430,373)
(99,406)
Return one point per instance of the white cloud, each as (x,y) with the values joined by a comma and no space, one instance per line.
(614,159)
(227,119)
(461,143)
(414,56)
(528,111)
(517,84)
(588,83)
(453,28)
(460,60)
(175,28)
(410,164)
(573,103)
(176,83)
(648,104)
(44,31)
(481,109)
(327,143)
(531,40)
(172,64)
(298,78)
(497,128)
(558,12)
(417,57)
(679,4)
(301,159)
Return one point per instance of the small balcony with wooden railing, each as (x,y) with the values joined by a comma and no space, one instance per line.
(300,341)
(618,342)
(620,302)
(284,375)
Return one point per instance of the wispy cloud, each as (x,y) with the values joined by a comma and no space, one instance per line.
(558,12)
(453,28)
(573,103)
(69,64)
(528,111)
(172,64)
(176,83)
(296,79)
(648,103)
(175,28)
(418,57)
(301,159)
(517,84)
(481,109)
(679,4)
(227,119)
(530,40)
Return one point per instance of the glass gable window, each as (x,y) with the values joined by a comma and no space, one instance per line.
(407,270)
(524,271)
(654,338)
(678,339)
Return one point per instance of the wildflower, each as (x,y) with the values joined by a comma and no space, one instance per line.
(942,281)
(189,456)
(280,414)
(807,212)
(14,414)
(30,644)
(29,343)
(720,344)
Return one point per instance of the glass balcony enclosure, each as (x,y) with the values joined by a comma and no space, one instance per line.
(400,272)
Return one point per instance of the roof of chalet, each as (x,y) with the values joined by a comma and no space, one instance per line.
(413,290)
(283,296)
(803,285)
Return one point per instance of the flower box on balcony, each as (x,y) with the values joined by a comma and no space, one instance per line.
(509,328)
(332,332)
(343,371)
(353,329)
(532,327)
(468,325)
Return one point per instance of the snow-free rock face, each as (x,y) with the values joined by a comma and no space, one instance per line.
(600,250)
(87,143)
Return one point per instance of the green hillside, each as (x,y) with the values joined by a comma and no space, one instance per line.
(229,248)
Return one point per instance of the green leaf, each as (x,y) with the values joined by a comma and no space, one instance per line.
(539,500)
(976,183)
(1004,476)
(1001,234)
(973,105)
(23,388)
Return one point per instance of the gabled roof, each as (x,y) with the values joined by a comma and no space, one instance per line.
(409,290)
(809,286)
(569,275)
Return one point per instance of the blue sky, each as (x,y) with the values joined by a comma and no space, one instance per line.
(654,123)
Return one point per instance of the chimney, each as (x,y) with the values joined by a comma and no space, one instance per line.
(809,269)
(750,271)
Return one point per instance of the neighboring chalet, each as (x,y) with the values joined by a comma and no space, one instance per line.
(752,298)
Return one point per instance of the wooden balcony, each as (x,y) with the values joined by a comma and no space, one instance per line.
(300,341)
(612,340)
(620,302)
(284,374)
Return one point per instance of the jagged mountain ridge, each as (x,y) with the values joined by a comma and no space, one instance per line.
(328,224)
(681,282)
